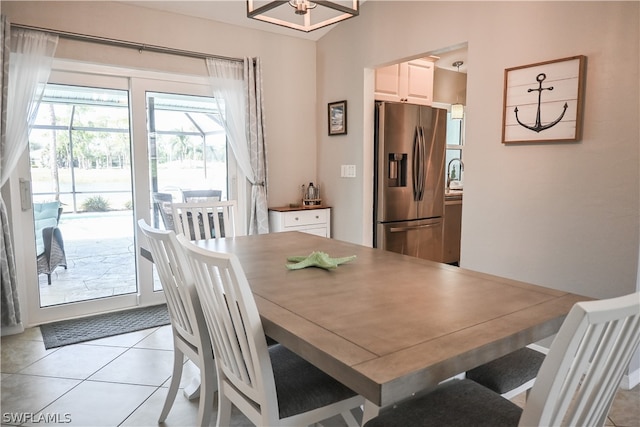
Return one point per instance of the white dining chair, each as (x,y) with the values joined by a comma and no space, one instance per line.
(575,386)
(221,219)
(271,386)
(188,325)
(162,204)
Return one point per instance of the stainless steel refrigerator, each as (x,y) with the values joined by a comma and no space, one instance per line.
(410,142)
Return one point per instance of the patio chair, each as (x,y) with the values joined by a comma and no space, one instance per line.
(162,202)
(188,326)
(271,386)
(576,384)
(221,219)
(189,196)
(49,244)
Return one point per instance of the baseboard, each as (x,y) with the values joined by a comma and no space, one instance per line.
(12,330)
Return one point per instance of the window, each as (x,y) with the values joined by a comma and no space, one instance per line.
(455,145)
(79,148)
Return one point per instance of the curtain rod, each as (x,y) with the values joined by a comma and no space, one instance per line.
(123,43)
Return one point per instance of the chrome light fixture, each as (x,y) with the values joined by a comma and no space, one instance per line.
(457,109)
(306,15)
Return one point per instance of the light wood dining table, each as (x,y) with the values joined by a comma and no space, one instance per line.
(389,325)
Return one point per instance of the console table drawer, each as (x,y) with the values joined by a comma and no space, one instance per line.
(297,218)
(314,221)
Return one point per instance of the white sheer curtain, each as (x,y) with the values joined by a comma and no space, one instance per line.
(239,85)
(23,82)
(29,68)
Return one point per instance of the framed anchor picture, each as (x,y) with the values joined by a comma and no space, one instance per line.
(543,102)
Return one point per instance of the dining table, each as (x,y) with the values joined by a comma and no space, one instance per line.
(389,325)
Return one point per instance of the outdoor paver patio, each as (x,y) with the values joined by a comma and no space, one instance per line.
(100,255)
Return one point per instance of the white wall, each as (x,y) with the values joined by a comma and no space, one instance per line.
(288,67)
(558,215)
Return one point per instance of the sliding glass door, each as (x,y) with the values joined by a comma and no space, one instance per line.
(80,157)
(102,146)
(79,249)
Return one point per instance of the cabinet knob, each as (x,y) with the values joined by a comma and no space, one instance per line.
(296,218)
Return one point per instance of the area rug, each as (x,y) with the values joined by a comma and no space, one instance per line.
(73,331)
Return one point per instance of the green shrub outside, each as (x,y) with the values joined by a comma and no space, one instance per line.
(95,204)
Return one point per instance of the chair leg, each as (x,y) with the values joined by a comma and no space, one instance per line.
(208,388)
(178,363)
(224,409)
(193,389)
(350,419)
(371,410)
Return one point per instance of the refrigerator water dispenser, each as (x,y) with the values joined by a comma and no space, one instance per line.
(397,170)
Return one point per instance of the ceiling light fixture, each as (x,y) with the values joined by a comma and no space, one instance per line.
(457,109)
(303,19)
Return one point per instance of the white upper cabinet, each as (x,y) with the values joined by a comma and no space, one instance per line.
(410,82)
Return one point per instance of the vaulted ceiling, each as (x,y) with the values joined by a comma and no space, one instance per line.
(235,12)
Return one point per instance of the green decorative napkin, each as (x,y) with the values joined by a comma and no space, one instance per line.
(316,259)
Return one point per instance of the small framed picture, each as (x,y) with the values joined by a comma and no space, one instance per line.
(338,118)
(543,102)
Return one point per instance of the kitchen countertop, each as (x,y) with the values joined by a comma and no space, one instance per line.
(453,195)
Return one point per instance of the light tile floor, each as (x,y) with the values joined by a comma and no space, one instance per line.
(116,381)
(123,380)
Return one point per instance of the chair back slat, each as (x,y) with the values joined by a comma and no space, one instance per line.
(177,283)
(623,333)
(233,321)
(580,376)
(206,220)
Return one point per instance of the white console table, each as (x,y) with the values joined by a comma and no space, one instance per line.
(313,220)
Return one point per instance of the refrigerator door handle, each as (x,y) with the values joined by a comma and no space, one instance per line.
(418,164)
(423,172)
(414,173)
(413,227)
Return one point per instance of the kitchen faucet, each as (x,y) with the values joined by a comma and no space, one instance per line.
(449,171)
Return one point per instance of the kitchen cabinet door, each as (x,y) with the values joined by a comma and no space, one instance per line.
(387,84)
(452,231)
(419,82)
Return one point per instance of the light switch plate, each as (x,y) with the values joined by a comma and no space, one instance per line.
(25,194)
(348,171)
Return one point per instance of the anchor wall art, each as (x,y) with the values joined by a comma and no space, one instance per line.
(543,101)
